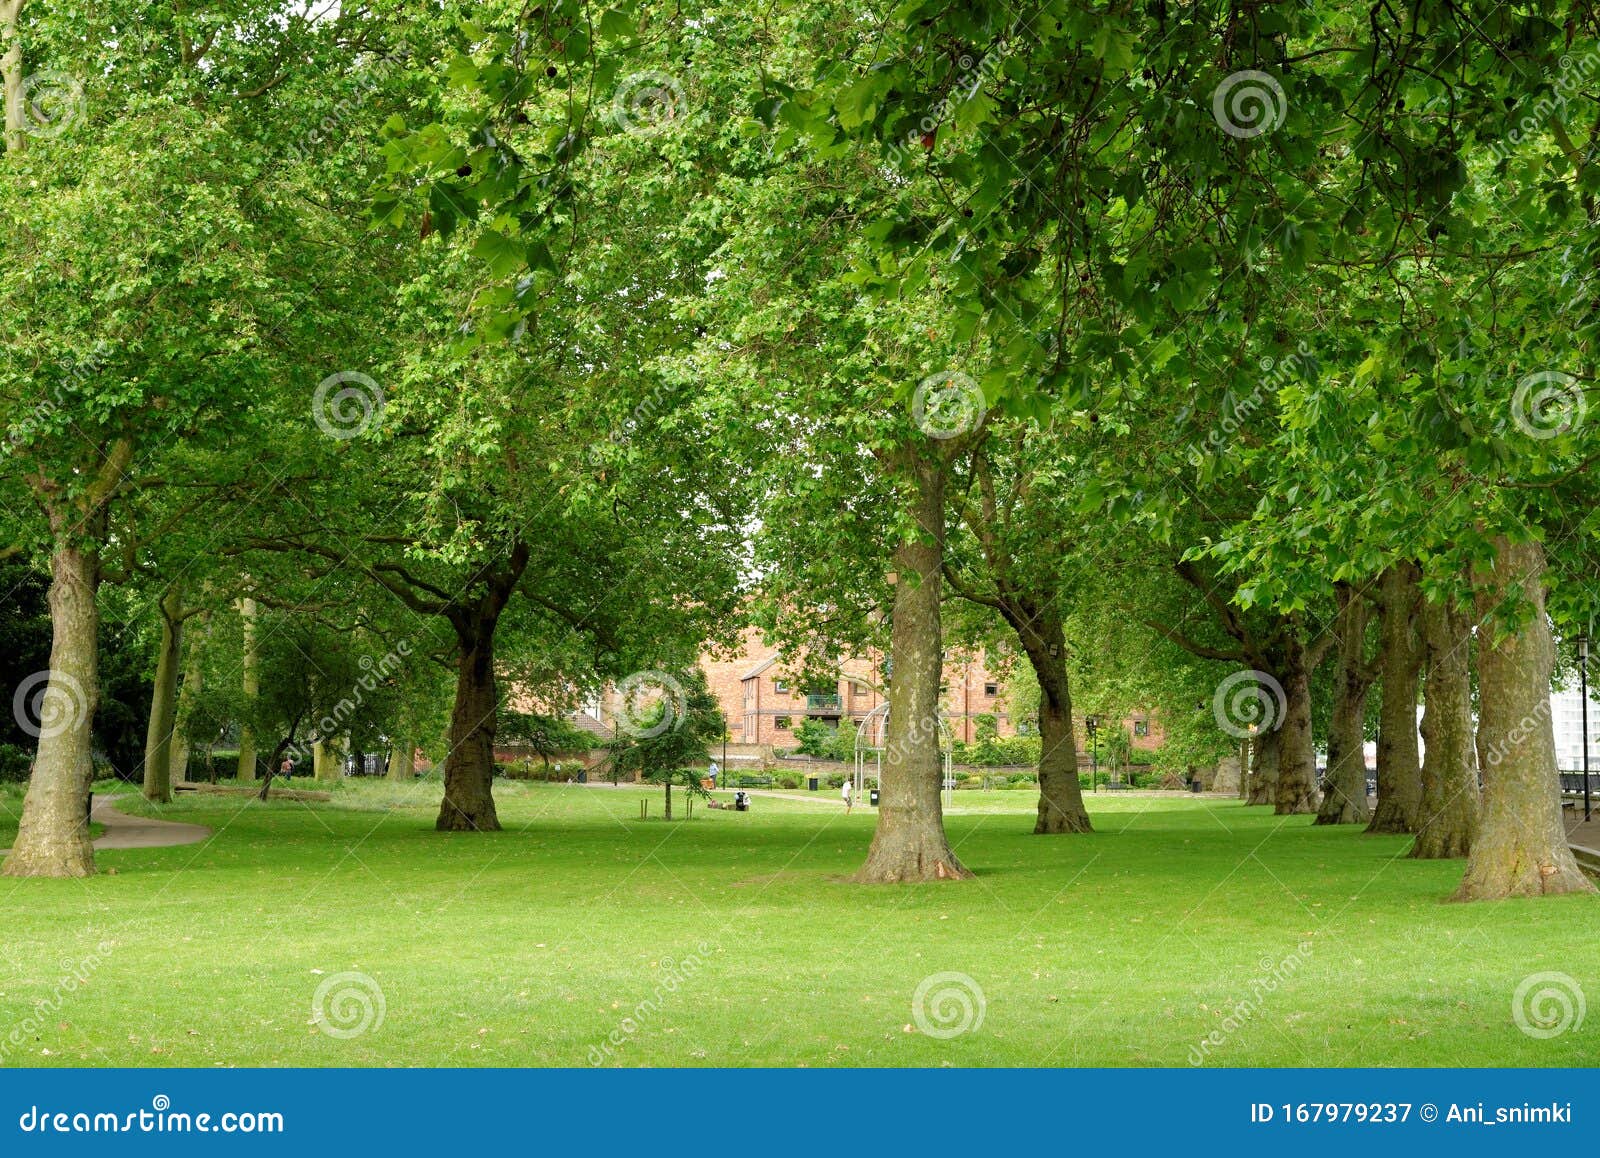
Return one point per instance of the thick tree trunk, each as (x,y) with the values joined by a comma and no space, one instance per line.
(1296,788)
(1344,798)
(164,701)
(188,696)
(1060,795)
(1448,816)
(1264,768)
(468,804)
(53,836)
(402,759)
(909,843)
(1520,849)
(252,688)
(1399,767)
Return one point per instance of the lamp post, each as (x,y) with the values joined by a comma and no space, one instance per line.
(1583,684)
(1091,724)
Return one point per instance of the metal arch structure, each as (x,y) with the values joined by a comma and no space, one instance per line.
(872,741)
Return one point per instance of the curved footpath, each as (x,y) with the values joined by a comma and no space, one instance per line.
(124,831)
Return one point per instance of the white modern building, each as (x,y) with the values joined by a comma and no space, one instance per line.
(1566,718)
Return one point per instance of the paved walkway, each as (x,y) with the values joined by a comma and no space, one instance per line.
(124,831)
(1579,833)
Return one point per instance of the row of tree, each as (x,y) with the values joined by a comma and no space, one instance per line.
(1159,344)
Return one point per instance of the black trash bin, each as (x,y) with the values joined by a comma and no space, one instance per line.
(583,776)
(873,797)
(1194,786)
(811,783)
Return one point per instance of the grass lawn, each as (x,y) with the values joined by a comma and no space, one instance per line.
(538,945)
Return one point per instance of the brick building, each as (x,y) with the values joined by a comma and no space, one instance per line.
(765,704)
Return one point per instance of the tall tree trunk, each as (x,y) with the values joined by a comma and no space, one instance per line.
(327,759)
(11,74)
(909,843)
(164,700)
(1448,815)
(53,836)
(668,808)
(251,687)
(1399,766)
(468,804)
(188,696)
(402,759)
(1264,768)
(1344,799)
(1044,640)
(1520,849)
(1296,789)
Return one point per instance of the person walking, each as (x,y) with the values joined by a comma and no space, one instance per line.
(849,796)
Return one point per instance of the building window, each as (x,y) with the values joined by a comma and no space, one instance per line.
(1141,727)
(781,686)
(991,689)
(781,723)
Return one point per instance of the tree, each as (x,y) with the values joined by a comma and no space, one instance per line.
(664,725)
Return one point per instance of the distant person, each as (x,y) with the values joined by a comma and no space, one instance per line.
(849,797)
(286,769)
(712,772)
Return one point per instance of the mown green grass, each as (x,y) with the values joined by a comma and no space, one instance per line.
(531,946)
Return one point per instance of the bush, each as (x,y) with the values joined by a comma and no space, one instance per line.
(14,764)
(787,780)
(996,752)
(815,738)
(834,781)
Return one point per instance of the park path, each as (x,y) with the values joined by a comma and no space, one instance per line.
(124,831)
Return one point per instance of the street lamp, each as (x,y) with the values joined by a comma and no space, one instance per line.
(1583,683)
(1091,724)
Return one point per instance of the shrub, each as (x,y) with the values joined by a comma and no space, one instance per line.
(835,780)
(814,738)
(787,779)
(14,764)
